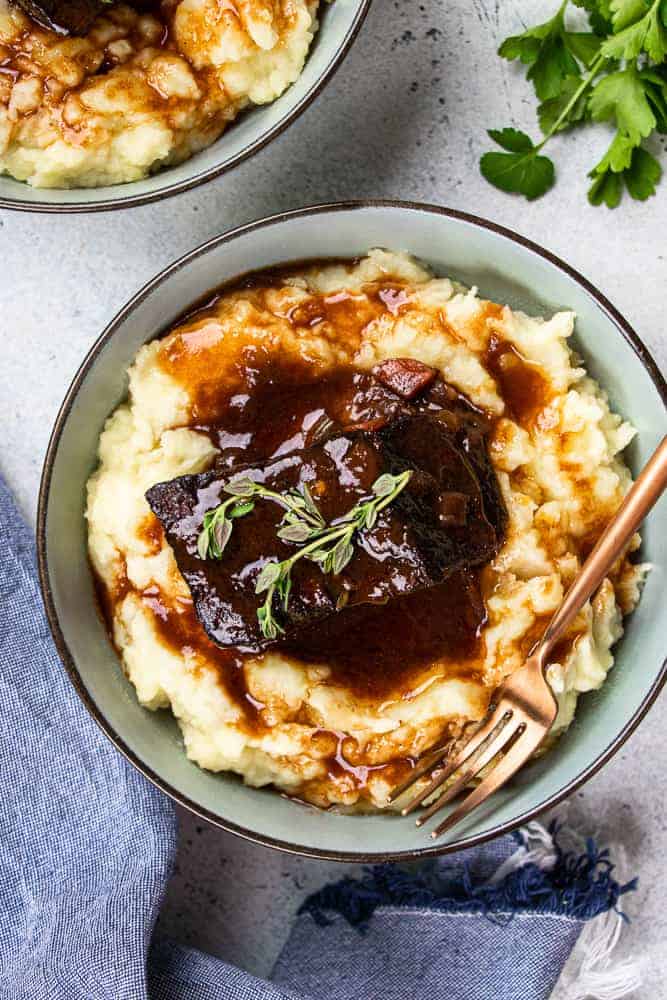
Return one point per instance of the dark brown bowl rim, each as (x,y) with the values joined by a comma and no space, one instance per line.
(627,333)
(133,200)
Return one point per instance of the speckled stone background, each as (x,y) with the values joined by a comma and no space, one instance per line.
(405,117)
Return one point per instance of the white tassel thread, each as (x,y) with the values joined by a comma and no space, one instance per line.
(593,971)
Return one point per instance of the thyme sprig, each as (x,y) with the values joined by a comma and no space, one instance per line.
(301,520)
(331,548)
(217,526)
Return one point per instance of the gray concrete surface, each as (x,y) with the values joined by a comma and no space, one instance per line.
(405,117)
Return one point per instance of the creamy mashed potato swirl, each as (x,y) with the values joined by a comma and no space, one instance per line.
(139,91)
(555,445)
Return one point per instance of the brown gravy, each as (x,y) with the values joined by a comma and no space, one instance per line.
(375,652)
(522,384)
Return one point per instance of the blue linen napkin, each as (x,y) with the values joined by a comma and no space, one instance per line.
(87,845)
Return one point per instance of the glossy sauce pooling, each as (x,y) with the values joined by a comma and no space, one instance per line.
(522,384)
(200,348)
(272,409)
(279,408)
(376,651)
(177,627)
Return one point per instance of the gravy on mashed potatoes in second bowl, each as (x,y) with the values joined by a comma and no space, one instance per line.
(136,87)
(451,456)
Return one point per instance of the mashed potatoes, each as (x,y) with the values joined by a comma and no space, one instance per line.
(555,446)
(139,91)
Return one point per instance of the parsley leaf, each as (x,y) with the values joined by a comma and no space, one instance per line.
(622,163)
(544,48)
(511,139)
(583,45)
(648,34)
(642,175)
(522,171)
(615,73)
(621,97)
(599,15)
(655,88)
(607,188)
(626,12)
(619,155)
(549,112)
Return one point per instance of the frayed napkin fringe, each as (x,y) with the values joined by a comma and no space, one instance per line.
(594,971)
(579,886)
(539,877)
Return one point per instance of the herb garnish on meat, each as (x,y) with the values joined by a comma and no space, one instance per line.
(332,549)
(301,520)
(330,546)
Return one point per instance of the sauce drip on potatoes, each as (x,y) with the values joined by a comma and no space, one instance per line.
(343,709)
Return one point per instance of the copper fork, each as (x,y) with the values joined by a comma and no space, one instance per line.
(523,709)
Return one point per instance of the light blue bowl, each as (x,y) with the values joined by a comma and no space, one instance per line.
(505,267)
(339,24)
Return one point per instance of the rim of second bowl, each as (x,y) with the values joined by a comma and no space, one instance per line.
(626,331)
(133,200)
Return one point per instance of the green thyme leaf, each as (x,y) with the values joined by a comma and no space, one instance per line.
(243,486)
(342,557)
(371,518)
(383,486)
(310,503)
(267,623)
(203,542)
(285,591)
(222,530)
(242,509)
(270,573)
(331,547)
(296,532)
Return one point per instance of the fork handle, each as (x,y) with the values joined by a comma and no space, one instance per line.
(642,496)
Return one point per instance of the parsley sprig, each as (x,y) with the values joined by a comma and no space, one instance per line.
(616,73)
(331,549)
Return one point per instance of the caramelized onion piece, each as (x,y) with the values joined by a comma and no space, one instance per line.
(405,376)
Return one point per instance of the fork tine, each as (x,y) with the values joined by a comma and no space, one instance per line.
(485,729)
(516,756)
(421,768)
(483,733)
(505,736)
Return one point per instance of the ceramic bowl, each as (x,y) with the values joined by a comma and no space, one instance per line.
(504,266)
(339,24)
